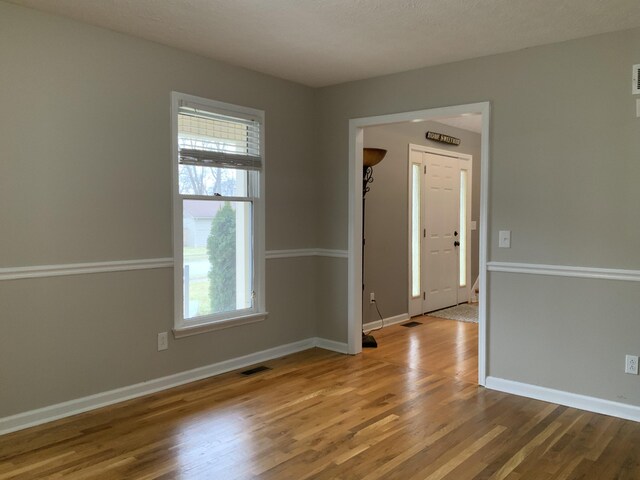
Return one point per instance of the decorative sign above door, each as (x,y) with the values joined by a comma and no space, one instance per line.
(442,138)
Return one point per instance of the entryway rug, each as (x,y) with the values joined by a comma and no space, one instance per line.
(463,313)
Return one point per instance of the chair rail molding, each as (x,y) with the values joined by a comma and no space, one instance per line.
(42,271)
(306,252)
(39,271)
(566,271)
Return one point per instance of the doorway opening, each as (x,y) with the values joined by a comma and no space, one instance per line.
(463,278)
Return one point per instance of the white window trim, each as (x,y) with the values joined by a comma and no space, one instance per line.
(184,328)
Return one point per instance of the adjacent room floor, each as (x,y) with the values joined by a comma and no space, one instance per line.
(441,346)
(409,410)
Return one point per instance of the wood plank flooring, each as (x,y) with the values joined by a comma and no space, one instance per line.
(444,346)
(407,410)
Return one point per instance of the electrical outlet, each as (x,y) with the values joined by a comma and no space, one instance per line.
(631,364)
(163,341)
(372,297)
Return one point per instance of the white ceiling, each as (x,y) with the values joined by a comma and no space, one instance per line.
(324,42)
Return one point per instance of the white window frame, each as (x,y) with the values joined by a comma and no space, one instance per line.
(182,327)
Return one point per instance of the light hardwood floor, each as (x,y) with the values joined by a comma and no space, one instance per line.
(408,410)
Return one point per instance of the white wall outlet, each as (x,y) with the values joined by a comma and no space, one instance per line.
(504,239)
(163,341)
(372,297)
(631,364)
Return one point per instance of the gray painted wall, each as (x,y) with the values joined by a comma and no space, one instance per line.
(386,226)
(85,176)
(565,145)
(577,333)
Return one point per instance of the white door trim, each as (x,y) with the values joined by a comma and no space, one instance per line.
(464,157)
(354,276)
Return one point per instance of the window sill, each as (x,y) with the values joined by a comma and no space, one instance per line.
(188,330)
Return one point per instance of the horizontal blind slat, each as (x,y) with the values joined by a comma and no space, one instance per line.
(218,138)
(206,158)
(190,108)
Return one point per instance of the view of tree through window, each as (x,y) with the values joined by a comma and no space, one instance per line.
(221,247)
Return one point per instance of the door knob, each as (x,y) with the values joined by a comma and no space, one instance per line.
(456,243)
(455,233)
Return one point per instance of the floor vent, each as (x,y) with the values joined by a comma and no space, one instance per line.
(411,324)
(255,370)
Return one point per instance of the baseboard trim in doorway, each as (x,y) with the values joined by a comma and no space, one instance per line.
(403,317)
(332,345)
(57,411)
(568,399)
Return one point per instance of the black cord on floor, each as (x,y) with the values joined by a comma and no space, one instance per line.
(381,319)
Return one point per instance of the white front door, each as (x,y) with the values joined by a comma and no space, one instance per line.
(439,251)
(438,229)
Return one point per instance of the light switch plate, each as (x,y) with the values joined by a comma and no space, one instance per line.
(504,239)
(474,225)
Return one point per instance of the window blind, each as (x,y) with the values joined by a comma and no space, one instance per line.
(218,138)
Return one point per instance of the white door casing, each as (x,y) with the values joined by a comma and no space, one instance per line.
(438,206)
(354,219)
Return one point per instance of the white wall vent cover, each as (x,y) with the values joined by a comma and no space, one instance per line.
(636,79)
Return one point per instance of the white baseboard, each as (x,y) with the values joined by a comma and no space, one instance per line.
(331,345)
(582,402)
(79,405)
(403,317)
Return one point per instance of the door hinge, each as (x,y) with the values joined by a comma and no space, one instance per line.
(424,233)
(424,295)
(425,169)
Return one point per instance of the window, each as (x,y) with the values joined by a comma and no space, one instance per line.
(218,210)
(415,229)
(462,251)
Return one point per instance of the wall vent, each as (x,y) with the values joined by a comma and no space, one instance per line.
(255,370)
(411,324)
(636,79)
